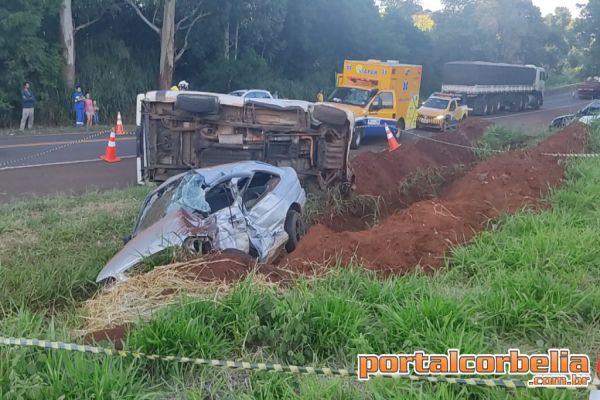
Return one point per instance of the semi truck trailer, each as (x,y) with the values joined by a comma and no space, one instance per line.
(492,87)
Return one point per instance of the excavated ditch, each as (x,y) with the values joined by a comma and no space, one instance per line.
(422,234)
(387,182)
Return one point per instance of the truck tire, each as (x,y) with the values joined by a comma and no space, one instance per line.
(400,127)
(491,107)
(356,139)
(197,103)
(522,103)
(499,104)
(294,227)
(480,106)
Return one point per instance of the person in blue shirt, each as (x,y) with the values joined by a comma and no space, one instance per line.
(79,106)
(27,101)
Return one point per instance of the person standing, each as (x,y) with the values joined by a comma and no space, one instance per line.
(96,113)
(27,101)
(78,106)
(89,110)
(320,96)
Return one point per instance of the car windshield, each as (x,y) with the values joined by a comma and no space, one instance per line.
(440,104)
(188,193)
(352,96)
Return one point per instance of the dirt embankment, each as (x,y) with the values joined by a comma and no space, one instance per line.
(415,172)
(424,232)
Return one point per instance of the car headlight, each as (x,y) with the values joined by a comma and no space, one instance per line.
(440,117)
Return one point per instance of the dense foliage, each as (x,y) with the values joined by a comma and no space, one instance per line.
(289,47)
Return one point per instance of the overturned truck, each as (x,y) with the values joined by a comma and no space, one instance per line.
(179,131)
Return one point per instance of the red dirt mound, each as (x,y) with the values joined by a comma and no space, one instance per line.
(380,174)
(115,335)
(423,233)
(228,266)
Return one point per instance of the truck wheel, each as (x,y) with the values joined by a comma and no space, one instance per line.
(356,139)
(198,104)
(399,129)
(294,227)
(491,107)
(522,103)
(536,103)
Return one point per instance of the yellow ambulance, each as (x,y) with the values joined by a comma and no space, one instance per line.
(378,93)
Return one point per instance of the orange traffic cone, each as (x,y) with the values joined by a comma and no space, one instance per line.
(119,129)
(111,150)
(392,143)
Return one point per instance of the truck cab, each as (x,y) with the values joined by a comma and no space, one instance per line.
(378,93)
(441,111)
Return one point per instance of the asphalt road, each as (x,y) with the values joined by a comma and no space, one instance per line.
(69,162)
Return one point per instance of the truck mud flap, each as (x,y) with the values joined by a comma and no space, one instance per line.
(197,104)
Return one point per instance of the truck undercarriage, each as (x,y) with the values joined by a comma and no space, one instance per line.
(201,130)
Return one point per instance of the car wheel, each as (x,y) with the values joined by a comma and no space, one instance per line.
(294,227)
(356,139)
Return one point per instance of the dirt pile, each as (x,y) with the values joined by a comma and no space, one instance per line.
(415,172)
(381,174)
(423,233)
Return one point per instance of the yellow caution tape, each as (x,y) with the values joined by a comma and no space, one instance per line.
(291,369)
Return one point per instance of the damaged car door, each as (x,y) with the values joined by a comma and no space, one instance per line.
(265,214)
(226,206)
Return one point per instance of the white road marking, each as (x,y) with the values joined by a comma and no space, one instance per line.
(537,111)
(61,163)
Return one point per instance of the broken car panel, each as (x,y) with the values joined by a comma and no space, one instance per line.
(241,206)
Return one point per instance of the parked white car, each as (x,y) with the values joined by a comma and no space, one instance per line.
(586,115)
(248,206)
(252,94)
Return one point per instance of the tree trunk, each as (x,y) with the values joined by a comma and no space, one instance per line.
(226,41)
(167,45)
(237,40)
(68,42)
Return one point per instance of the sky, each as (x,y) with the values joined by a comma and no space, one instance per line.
(547,6)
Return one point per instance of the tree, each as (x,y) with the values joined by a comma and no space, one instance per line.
(169,27)
(588,29)
(91,12)
(27,54)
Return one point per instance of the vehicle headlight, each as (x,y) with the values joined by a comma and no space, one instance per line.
(440,117)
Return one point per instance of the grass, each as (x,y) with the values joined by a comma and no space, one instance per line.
(52,248)
(531,283)
(502,138)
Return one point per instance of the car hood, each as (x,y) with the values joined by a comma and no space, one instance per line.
(430,112)
(357,111)
(170,231)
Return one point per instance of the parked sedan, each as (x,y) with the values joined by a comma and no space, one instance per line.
(249,206)
(252,94)
(586,115)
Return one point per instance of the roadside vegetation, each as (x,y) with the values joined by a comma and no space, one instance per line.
(530,282)
(292,48)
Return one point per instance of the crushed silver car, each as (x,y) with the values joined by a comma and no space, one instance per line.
(249,206)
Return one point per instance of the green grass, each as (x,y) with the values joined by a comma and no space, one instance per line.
(531,283)
(52,248)
(502,138)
